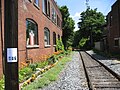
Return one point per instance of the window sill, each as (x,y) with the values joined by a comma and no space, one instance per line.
(36,6)
(32,46)
(54,45)
(47,46)
(54,22)
(46,15)
(116,46)
(30,0)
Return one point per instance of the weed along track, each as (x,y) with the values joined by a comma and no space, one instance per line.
(97,76)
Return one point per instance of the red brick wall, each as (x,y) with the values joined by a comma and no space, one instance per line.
(29,10)
(114,29)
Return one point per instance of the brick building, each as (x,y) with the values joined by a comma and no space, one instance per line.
(113,28)
(39,25)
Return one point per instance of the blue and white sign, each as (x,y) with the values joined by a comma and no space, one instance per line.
(11,54)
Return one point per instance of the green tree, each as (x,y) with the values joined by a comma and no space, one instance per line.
(90,25)
(77,38)
(67,27)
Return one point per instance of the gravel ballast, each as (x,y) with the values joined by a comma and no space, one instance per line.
(111,63)
(71,78)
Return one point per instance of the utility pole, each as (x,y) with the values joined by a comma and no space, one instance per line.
(11,44)
(1,35)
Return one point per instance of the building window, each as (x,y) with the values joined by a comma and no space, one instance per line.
(54,38)
(48,8)
(36,2)
(47,36)
(44,6)
(116,42)
(53,15)
(111,20)
(30,0)
(58,21)
(31,32)
(61,24)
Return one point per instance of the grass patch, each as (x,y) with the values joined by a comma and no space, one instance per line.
(37,84)
(49,76)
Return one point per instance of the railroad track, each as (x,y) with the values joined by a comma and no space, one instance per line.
(98,77)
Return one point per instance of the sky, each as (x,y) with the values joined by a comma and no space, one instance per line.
(77,6)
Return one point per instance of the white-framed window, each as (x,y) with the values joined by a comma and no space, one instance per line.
(47,36)
(36,2)
(58,21)
(30,0)
(54,38)
(116,42)
(31,32)
(48,9)
(44,6)
(110,20)
(54,15)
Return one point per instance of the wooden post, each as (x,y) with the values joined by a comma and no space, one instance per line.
(11,44)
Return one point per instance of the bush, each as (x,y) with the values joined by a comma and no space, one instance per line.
(59,45)
(33,66)
(25,73)
(52,59)
(2,84)
(42,64)
(50,75)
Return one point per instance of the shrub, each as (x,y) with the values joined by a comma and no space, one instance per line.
(47,77)
(2,84)
(59,45)
(24,73)
(42,64)
(33,66)
(21,78)
(52,59)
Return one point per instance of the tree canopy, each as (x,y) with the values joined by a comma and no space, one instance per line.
(67,26)
(90,27)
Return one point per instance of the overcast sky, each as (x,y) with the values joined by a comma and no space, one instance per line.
(77,6)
